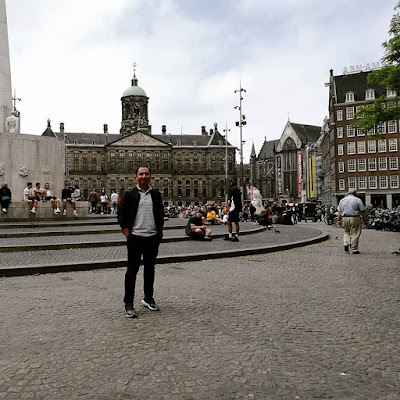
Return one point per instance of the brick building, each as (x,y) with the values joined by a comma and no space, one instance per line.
(367,161)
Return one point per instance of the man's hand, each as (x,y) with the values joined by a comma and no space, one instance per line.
(125,231)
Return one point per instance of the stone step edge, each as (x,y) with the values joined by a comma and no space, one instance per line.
(76,266)
(109,243)
(70,233)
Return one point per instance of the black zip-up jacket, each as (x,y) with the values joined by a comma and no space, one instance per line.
(128,207)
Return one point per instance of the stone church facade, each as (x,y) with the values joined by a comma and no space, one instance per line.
(186,168)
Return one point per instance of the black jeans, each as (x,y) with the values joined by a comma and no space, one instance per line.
(138,246)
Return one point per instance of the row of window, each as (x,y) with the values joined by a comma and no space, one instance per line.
(381,162)
(351,131)
(350,111)
(370,146)
(369,95)
(373,182)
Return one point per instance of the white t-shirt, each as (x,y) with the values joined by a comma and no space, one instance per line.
(28,192)
(114,197)
(103,198)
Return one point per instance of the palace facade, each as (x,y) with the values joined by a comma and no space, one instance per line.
(186,168)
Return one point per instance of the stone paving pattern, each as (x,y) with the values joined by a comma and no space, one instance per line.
(307,323)
(287,234)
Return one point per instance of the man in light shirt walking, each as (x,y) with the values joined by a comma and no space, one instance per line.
(350,209)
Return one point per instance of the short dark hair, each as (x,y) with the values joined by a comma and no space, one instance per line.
(142,166)
(29,183)
(201,212)
(37,183)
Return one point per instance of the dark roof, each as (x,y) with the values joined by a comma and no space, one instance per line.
(356,83)
(184,140)
(49,132)
(253,151)
(188,140)
(307,133)
(88,138)
(267,149)
(102,139)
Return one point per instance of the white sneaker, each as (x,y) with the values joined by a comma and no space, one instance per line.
(57,211)
(64,213)
(75,213)
(33,211)
(4,210)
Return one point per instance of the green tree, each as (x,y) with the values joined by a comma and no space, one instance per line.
(388,76)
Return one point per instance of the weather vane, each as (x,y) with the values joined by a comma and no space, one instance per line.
(134,68)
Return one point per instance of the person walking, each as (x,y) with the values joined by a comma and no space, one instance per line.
(234,210)
(141,217)
(114,202)
(5,197)
(93,200)
(349,210)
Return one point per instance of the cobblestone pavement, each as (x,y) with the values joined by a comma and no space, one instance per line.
(307,323)
(287,234)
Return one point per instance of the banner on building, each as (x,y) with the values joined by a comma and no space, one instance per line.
(279,174)
(299,174)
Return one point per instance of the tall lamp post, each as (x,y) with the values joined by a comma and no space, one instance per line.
(226,130)
(240,124)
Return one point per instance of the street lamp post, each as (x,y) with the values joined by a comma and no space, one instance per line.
(226,130)
(240,124)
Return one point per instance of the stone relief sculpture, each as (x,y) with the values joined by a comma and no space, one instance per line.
(12,122)
(257,200)
(2,169)
(23,170)
(45,170)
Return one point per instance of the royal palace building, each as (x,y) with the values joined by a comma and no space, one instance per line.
(366,161)
(186,168)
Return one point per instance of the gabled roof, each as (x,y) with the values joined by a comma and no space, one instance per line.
(356,83)
(267,149)
(49,132)
(306,133)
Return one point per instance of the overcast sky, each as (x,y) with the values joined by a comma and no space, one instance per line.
(71,60)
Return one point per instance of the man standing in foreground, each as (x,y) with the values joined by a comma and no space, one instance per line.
(234,210)
(141,217)
(349,209)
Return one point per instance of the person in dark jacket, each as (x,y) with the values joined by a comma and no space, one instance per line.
(141,217)
(234,210)
(5,197)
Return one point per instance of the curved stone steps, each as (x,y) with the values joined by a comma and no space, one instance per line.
(108,242)
(49,261)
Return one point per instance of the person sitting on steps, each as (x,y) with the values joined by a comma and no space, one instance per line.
(66,197)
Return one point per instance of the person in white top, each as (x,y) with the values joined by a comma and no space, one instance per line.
(49,196)
(114,202)
(77,193)
(29,196)
(103,201)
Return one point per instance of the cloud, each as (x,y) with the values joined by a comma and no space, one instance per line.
(72,60)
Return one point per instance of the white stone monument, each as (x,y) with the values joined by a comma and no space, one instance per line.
(5,70)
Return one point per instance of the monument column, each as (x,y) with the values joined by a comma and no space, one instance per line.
(5,70)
